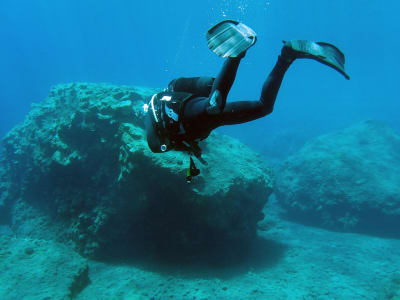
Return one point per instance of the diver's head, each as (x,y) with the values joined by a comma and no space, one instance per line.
(155,139)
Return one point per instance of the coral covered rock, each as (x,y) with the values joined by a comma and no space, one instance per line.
(80,160)
(349,180)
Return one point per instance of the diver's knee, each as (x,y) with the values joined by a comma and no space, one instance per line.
(216,103)
(267,110)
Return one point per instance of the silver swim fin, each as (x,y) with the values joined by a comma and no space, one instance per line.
(230,38)
(325,53)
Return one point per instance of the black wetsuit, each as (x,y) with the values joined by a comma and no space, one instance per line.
(199,122)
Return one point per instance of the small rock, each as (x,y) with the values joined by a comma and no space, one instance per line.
(29,251)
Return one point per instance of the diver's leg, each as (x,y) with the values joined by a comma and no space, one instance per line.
(215,103)
(202,113)
(196,116)
(245,111)
(222,85)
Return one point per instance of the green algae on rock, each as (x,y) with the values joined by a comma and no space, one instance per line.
(81,158)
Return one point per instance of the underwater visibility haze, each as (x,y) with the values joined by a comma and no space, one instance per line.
(303,203)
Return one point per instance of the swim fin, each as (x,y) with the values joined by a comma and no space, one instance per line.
(230,38)
(325,53)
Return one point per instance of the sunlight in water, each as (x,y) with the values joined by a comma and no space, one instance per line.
(237,8)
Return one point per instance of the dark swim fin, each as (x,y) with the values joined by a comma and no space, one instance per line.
(230,38)
(325,53)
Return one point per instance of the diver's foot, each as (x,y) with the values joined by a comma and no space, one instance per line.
(301,49)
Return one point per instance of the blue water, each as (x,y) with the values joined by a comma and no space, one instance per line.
(150,42)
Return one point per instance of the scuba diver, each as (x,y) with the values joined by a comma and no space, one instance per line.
(190,108)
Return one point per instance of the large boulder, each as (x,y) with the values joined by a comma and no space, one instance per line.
(79,167)
(349,180)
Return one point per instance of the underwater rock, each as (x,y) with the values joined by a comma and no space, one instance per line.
(81,159)
(346,181)
(6,194)
(38,269)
